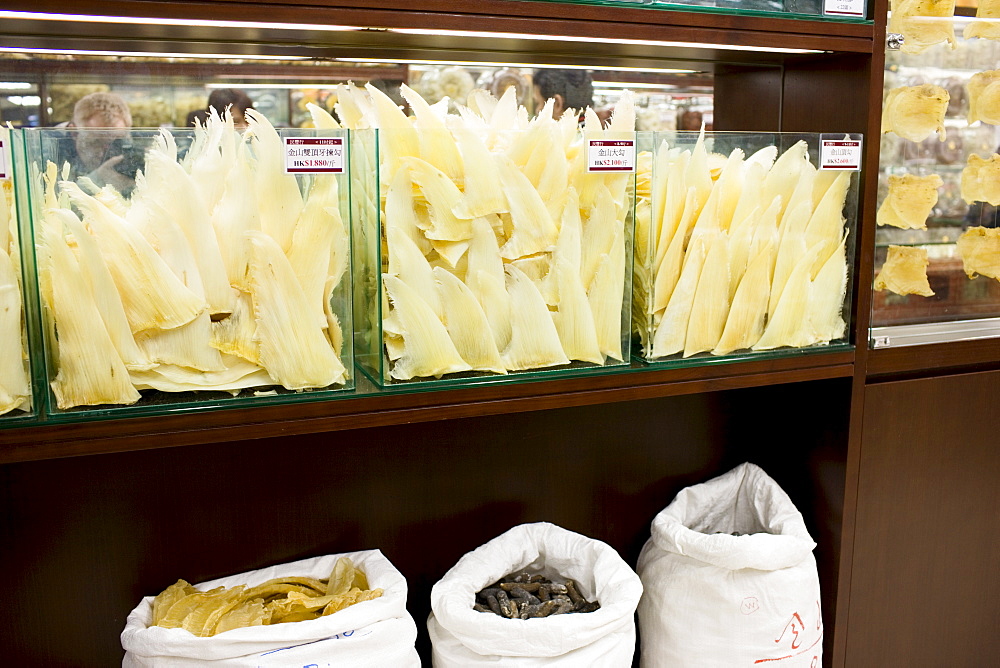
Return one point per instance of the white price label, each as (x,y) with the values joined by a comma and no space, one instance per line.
(314,155)
(611,155)
(3,160)
(855,8)
(840,154)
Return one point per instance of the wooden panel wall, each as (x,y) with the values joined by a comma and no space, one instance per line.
(925,588)
(83,539)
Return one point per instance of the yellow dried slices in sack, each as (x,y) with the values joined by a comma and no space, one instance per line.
(915,112)
(905,272)
(979,248)
(277,601)
(988,9)
(981,180)
(910,201)
(984,97)
(915,21)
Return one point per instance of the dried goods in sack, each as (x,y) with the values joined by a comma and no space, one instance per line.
(345,609)
(729,578)
(544,561)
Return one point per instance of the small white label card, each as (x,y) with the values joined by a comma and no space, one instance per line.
(844,153)
(853,8)
(314,155)
(610,155)
(3,160)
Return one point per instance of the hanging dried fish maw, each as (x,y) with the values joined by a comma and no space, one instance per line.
(153,297)
(905,272)
(981,180)
(980,251)
(909,202)
(988,9)
(15,391)
(90,372)
(467,324)
(534,341)
(984,97)
(915,112)
(428,349)
(293,349)
(923,23)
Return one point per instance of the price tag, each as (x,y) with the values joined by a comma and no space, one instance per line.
(611,155)
(840,154)
(855,8)
(314,155)
(3,160)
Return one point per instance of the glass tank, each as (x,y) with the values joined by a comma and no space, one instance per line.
(744,243)
(190,269)
(937,262)
(16,400)
(491,248)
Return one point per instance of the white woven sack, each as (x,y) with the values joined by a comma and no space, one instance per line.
(714,599)
(462,637)
(374,633)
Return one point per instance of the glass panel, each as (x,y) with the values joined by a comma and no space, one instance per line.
(744,243)
(936,224)
(16,400)
(191,269)
(844,10)
(495,254)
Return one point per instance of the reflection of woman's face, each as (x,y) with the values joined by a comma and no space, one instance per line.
(239,119)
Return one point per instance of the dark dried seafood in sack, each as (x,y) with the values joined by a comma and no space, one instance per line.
(527,596)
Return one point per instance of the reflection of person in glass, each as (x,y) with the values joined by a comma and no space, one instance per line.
(570,89)
(221,98)
(99,132)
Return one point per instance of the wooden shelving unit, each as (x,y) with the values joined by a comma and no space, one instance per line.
(108,511)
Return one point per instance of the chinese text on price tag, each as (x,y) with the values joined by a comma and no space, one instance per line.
(611,155)
(314,155)
(855,8)
(840,154)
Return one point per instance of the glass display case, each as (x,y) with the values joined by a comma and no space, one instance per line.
(490,247)
(16,400)
(811,9)
(937,261)
(189,269)
(744,244)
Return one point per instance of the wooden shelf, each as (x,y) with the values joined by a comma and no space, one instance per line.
(585,32)
(933,359)
(370,407)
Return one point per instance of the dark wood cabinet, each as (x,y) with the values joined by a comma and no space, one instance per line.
(889,454)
